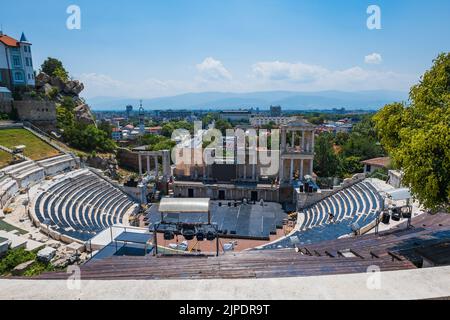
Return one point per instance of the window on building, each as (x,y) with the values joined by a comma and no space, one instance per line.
(18,76)
(16,61)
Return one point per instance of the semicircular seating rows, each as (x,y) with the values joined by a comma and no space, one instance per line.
(82,206)
(359,204)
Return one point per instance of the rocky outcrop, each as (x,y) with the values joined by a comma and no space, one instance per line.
(67,88)
(109,166)
(83,114)
(57,89)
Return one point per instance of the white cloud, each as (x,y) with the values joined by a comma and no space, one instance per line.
(211,69)
(104,85)
(374,58)
(211,75)
(303,77)
(277,70)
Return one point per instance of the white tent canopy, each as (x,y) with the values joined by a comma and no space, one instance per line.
(399,194)
(184,205)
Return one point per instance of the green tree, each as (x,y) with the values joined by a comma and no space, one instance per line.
(64,117)
(61,73)
(223,125)
(419,140)
(350,166)
(326,162)
(362,146)
(341,138)
(54,67)
(88,138)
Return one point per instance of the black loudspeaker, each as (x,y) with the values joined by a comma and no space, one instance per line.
(188,234)
(396,214)
(406,214)
(200,236)
(386,218)
(220,204)
(210,236)
(168,235)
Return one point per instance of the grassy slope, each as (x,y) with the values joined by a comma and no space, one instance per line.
(7,227)
(36,149)
(5,158)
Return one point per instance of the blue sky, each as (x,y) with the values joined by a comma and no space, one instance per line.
(149,48)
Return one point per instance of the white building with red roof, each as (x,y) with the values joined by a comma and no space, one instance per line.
(16,62)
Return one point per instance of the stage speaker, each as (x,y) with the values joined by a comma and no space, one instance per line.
(188,234)
(386,218)
(210,236)
(396,214)
(406,214)
(200,236)
(168,235)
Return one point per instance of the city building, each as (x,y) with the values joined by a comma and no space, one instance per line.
(16,62)
(168,115)
(259,121)
(236,115)
(372,165)
(117,134)
(275,111)
(153,130)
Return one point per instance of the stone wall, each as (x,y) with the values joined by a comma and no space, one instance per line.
(5,106)
(36,111)
(128,159)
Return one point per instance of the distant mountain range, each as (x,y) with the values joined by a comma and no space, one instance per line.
(289,100)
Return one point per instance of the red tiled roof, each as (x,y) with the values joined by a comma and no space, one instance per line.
(378,162)
(8,41)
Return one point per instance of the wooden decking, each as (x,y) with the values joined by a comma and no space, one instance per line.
(393,250)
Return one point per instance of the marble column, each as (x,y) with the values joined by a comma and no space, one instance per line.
(303,141)
(156,166)
(148,164)
(291,177)
(301,169)
(281,171)
(283,140)
(140,164)
(293,140)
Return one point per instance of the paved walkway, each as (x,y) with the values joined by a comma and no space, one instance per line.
(405,285)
